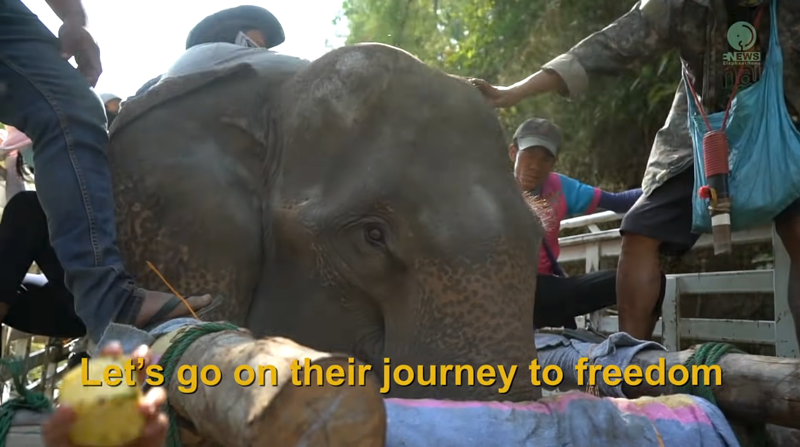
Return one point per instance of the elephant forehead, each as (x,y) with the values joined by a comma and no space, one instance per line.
(354,60)
(347,84)
(450,220)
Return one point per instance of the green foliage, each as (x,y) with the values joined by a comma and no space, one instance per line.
(607,135)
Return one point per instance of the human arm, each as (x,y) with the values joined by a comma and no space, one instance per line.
(585,199)
(69,11)
(619,202)
(580,198)
(76,40)
(639,36)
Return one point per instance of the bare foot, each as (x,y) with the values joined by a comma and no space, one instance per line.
(155,301)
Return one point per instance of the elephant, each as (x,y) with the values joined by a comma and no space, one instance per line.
(359,203)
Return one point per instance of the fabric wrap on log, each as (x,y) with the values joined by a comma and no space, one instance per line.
(618,349)
(570,419)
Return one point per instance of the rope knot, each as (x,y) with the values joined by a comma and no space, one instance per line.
(170,359)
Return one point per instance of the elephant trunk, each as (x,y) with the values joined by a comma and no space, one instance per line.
(477,317)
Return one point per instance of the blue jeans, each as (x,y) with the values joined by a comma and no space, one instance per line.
(46,98)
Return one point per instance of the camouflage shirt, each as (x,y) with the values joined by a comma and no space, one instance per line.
(699,32)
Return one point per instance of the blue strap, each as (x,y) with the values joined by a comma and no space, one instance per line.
(557,270)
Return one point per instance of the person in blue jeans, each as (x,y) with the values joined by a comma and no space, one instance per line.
(559,299)
(43,96)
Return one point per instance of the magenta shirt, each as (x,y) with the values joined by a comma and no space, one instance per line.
(565,197)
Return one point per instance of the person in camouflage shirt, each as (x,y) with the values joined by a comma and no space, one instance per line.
(662,217)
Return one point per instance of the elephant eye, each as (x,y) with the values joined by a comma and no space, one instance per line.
(374,235)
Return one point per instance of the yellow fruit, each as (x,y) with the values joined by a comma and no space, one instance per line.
(108,416)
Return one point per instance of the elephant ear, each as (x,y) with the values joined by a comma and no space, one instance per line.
(172,88)
(190,192)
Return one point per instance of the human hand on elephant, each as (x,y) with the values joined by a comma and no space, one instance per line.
(499,97)
(56,431)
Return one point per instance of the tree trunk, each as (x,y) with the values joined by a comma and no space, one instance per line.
(283,415)
(754,387)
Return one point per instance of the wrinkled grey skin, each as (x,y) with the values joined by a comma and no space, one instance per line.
(363,206)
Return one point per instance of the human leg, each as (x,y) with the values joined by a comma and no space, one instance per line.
(47,99)
(661,221)
(638,271)
(23,233)
(47,311)
(560,300)
(787,224)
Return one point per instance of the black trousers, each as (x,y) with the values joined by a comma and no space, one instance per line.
(40,310)
(560,300)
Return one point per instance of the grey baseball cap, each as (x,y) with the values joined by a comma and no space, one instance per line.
(108,97)
(538,132)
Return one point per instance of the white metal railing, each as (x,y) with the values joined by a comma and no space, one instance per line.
(597,244)
(47,361)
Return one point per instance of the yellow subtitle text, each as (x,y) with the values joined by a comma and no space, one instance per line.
(306,373)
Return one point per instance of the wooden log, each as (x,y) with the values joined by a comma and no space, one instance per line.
(783,436)
(754,387)
(26,432)
(282,415)
(229,414)
(26,429)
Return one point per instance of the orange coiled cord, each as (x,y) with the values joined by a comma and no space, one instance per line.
(715,153)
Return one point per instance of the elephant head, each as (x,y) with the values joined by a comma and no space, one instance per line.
(362,204)
(402,231)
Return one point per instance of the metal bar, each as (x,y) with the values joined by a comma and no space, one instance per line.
(591,219)
(573,247)
(671,316)
(785,336)
(706,329)
(34,360)
(746,281)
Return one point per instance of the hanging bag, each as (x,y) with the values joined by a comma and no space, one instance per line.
(764,146)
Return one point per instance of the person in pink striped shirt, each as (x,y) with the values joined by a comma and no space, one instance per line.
(559,298)
(15,149)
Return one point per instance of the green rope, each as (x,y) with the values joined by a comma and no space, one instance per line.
(27,400)
(170,361)
(709,354)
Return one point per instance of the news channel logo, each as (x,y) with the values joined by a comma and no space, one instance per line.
(742,38)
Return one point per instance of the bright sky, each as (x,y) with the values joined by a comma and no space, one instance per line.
(140,39)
